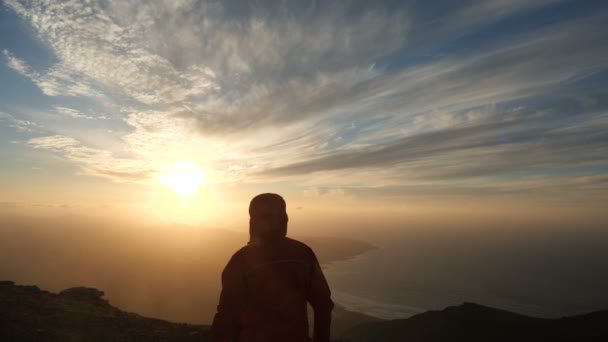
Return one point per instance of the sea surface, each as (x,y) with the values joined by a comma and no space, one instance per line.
(544,274)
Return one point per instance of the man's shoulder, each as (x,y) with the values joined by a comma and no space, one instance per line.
(300,248)
(242,250)
(290,243)
(297,244)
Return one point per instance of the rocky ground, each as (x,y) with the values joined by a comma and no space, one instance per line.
(80,314)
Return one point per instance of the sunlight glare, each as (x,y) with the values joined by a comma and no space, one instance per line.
(183,177)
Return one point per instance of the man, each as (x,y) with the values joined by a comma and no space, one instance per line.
(267,283)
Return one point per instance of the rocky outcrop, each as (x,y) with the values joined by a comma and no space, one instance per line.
(83,293)
(80,314)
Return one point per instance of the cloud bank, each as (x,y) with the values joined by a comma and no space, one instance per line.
(328,92)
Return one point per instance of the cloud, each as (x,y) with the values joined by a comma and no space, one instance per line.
(453,101)
(55,142)
(479,148)
(254,70)
(95,162)
(95,54)
(72,113)
(18,124)
(56,81)
(478,12)
(16,64)
(338,90)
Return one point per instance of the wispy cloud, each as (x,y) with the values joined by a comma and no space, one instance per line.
(18,124)
(72,113)
(476,149)
(56,81)
(96,162)
(54,142)
(324,88)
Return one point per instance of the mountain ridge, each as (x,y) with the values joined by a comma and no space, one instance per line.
(28,313)
(474,322)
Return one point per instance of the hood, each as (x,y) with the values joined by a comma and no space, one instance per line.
(267,218)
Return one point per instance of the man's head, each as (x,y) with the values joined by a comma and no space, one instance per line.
(267,217)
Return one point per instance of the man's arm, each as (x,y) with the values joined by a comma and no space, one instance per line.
(320,299)
(225,326)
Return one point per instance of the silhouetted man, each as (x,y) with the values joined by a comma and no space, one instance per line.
(267,283)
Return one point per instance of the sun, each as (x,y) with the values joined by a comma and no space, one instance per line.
(183,177)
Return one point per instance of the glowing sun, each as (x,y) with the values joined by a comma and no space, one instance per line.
(183,177)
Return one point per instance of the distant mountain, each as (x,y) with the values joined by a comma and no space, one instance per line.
(472,322)
(80,314)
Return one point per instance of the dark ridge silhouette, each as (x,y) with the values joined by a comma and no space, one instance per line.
(28,313)
(80,314)
(343,320)
(473,322)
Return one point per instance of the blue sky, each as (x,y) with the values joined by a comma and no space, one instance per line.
(359,99)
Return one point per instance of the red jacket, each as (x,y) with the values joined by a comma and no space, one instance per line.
(265,288)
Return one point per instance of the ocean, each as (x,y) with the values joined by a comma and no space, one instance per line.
(534,272)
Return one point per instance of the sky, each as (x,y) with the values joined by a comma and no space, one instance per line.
(186,109)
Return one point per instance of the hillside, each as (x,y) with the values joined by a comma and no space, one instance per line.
(472,322)
(80,314)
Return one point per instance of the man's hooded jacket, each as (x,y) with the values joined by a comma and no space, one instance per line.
(266,284)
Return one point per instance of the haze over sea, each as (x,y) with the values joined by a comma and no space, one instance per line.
(540,270)
(546,268)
